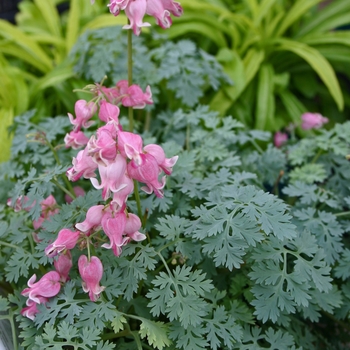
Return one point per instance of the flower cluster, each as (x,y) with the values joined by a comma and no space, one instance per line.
(112,159)
(135,10)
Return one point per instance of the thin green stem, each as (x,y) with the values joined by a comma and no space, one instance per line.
(69,193)
(66,181)
(2,243)
(130,110)
(13,331)
(88,248)
(165,264)
(109,336)
(188,130)
(31,242)
(138,202)
(344,213)
(320,151)
(257,147)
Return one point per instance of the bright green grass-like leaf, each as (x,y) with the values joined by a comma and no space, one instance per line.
(335,15)
(318,63)
(298,9)
(292,104)
(50,14)
(202,28)
(265,105)
(26,44)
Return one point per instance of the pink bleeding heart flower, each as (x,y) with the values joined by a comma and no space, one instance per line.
(48,286)
(166,164)
(135,11)
(120,197)
(66,239)
(313,121)
(103,149)
(79,192)
(155,8)
(114,225)
(132,226)
(83,165)
(48,208)
(31,310)
(109,112)
(92,220)
(116,5)
(129,144)
(136,98)
(173,7)
(145,169)
(84,111)
(20,204)
(91,273)
(280,138)
(75,139)
(113,177)
(63,265)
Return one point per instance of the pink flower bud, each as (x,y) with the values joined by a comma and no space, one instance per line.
(91,273)
(48,286)
(313,121)
(66,239)
(280,138)
(63,265)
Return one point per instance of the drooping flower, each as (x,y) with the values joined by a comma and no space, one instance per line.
(66,239)
(83,165)
(133,96)
(63,265)
(48,208)
(31,310)
(280,138)
(313,121)
(146,169)
(48,286)
(135,11)
(84,111)
(102,148)
(75,139)
(91,273)
(113,177)
(109,112)
(113,225)
(92,220)
(132,226)
(166,164)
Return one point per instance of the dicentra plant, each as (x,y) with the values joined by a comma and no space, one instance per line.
(245,246)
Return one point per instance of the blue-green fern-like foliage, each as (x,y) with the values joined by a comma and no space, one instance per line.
(249,249)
